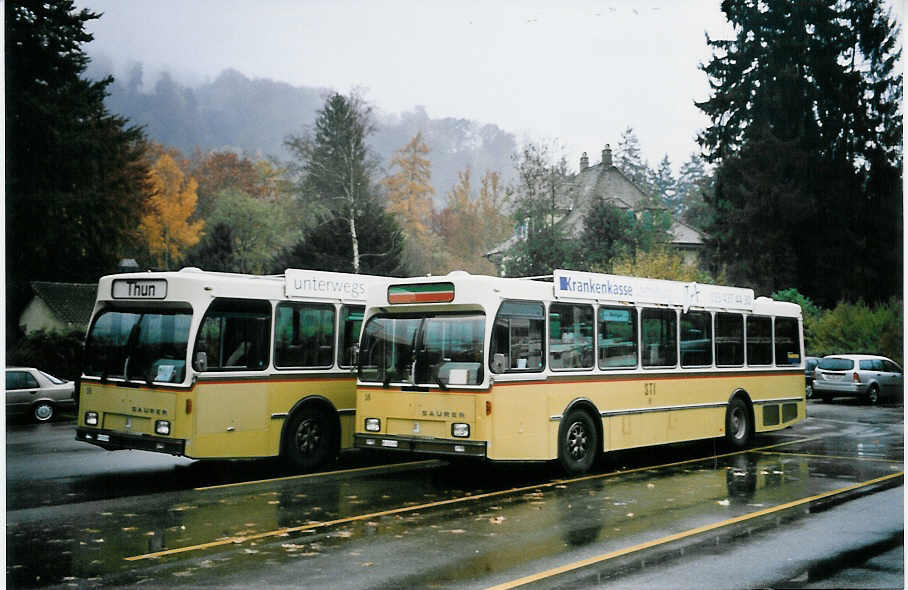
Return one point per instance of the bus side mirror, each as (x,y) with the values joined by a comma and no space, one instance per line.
(200,362)
(498,365)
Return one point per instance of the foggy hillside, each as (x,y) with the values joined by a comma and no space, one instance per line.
(254,116)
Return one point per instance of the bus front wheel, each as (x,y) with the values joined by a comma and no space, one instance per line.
(311,439)
(578,442)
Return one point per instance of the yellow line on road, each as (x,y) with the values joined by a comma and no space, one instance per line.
(685,534)
(319,474)
(846,457)
(404,509)
(349,519)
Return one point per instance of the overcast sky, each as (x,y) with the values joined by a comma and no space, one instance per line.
(575,72)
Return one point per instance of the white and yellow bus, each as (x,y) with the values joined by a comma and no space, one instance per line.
(519,369)
(219,365)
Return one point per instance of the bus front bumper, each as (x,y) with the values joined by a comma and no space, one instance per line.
(432,446)
(116,441)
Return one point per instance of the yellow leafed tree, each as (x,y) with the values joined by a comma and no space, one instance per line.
(470,226)
(165,226)
(410,201)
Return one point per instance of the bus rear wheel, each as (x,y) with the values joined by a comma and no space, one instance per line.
(578,443)
(311,441)
(739,426)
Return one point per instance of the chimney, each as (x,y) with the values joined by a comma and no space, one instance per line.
(584,162)
(607,156)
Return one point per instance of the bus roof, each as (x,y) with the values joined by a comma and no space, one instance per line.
(191,283)
(461,288)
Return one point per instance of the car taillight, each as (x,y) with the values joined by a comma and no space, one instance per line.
(855,377)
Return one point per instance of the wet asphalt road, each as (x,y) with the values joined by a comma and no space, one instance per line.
(78,516)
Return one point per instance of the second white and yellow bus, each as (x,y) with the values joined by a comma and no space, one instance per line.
(219,365)
(519,369)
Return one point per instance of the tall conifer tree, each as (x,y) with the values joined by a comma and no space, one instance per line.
(335,171)
(806,133)
(74,172)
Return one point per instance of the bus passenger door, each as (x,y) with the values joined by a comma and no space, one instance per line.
(231,415)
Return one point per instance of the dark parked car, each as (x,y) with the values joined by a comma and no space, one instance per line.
(858,375)
(33,392)
(810,364)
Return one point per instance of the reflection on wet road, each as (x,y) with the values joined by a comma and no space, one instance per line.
(463,524)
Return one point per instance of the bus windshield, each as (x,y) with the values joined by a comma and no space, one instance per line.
(423,349)
(143,345)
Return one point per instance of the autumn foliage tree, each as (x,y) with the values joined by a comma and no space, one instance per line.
(218,171)
(165,226)
(410,201)
(470,225)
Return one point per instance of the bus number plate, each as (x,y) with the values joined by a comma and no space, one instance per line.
(649,390)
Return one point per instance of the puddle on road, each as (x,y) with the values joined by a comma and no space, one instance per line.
(458,542)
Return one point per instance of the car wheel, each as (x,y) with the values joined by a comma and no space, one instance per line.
(311,440)
(738,425)
(43,412)
(873,394)
(578,443)
(808,390)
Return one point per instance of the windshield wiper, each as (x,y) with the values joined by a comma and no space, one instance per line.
(441,383)
(386,381)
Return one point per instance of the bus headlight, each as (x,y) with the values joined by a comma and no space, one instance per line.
(162,426)
(460,430)
(91,418)
(373,424)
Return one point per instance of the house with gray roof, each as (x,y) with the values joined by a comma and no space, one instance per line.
(575,197)
(58,307)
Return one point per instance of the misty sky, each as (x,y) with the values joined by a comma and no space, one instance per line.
(576,72)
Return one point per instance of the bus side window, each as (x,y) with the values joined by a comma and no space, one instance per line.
(617,337)
(729,339)
(518,337)
(759,340)
(351,323)
(304,335)
(696,339)
(659,336)
(787,343)
(570,336)
(235,335)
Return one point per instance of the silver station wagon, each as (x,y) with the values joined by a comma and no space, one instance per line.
(858,375)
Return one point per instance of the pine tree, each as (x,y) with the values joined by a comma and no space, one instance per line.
(694,190)
(72,169)
(629,159)
(664,187)
(806,134)
(334,168)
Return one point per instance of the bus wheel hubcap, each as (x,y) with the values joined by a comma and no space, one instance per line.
(577,440)
(738,424)
(308,436)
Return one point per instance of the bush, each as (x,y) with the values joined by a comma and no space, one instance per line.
(858,328)
(52,352)
(659,263)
